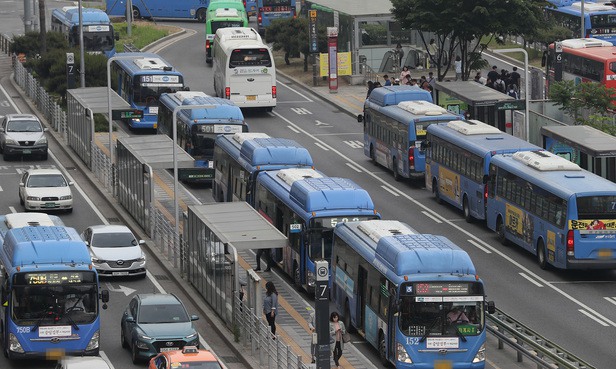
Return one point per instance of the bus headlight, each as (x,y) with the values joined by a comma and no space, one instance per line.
(93,344)
(481,354)
(402,355)
(14,344)
(310,280)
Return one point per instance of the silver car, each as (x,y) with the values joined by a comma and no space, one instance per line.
(22,134)
(84,362)
(115,251)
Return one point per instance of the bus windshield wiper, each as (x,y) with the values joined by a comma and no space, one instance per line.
(459,334)
(45,314)
(70,320)
(423,338)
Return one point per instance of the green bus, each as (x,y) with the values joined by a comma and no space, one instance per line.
(222,14)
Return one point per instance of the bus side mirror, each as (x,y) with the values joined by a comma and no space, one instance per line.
(105,296)
(117,37)
(486,179)
(491,307)
(424,145)
(544,58)
(360,118)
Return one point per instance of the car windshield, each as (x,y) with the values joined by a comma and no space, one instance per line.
(116,239)
(24,126)
(169,313)
(198,364)
(47,180)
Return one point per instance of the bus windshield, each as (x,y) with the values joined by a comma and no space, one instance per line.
(603,20)
(54,305)
(321,243)
(596,207)
(150,87)
(250,57)
(225,24)
(418,319)
(98,41)
(203,145)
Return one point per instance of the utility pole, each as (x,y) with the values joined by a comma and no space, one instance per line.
(82,63)
(43,27)
(28,15)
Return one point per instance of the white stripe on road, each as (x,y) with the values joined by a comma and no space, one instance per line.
(321,146)
(429,215)
(386,188)
(293,129)
(358,170)
(530,280)
(611,299)
(106,358)
(591,316)
(477,245)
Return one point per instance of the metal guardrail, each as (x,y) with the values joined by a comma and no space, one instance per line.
(531,344)
(130,48)
(5,43)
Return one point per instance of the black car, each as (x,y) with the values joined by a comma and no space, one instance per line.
(154,323)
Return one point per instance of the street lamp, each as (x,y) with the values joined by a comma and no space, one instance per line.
(176,210)
(526,84)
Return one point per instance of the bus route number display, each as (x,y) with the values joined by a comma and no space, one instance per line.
(53,278)
(437,289)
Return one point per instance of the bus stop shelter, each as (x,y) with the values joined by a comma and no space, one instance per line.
(588,147)
(477,101)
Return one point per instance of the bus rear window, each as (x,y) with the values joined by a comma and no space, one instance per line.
(250,57)
(225,24)
(596,207)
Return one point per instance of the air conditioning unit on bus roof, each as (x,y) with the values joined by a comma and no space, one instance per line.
(581,43)
(376,229)
(183,95)
(592,7)
(295,174)
(20,220)
(151,63)
(241,137)
(67,8)
(472,127)
(226,12)
(419,107)
(544,161)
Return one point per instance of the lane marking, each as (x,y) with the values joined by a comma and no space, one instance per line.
(323,147)
(293,129)
(479,246)
(294,90)
(106,358)
(391,191)
(530,280)
(591,316)
(1,189)
(431,216)
(611,300)
(10,100)
(12,209)
(358,170)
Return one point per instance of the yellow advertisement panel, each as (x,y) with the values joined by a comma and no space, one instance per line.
(593,224)
(449,184)
(344,64)
(519,223)
(551,246)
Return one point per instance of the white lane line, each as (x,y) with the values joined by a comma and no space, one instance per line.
(479,246)
(10,100)
(293,129)
(530,280)
(458,227)
(155,282)
(12,209)
(294,90)
(591,316)
(390,190)
(611,300)
(1,189)
(429,215)
(358,170)
(322,146)
(106,358)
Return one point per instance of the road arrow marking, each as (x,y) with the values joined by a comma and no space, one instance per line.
(125,290)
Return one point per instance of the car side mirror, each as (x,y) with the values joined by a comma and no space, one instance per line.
(2,130)
(87,243)
(45,129)
(105,296)
(142,242)
(491,307)
(130,319)
(193,318)
(21,184)
(71,183)
(486,179)
(360,118)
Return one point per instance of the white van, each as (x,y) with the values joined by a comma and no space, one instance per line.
(244,70)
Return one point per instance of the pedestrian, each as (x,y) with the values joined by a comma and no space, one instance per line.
(515,79)
(431,80)
(387,80)
(270,306)
(370,88)
(407,80)
(396,82)
(413,82)
(493,74)
(458,67)
(478,77)
(336,333)
(422,79)
(268,259)
(499,85)
(432,51)
(405,72)
(513,91)
(399,51)
(313,339)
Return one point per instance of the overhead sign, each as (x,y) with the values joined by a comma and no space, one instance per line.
(126,114)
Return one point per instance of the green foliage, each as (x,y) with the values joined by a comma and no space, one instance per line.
(30,44)
(101,124)
(142,34)
(291,36)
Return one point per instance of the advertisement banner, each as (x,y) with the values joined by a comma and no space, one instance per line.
(344,64)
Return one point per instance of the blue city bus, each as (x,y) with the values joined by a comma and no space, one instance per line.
(416,298)
(458,157)
(305,206)
(599,18)
(50,299)
(268,10)
(141,80)
(197,129)
(98,35)
(395,121)
(549,206)
(239,158)
(184,9)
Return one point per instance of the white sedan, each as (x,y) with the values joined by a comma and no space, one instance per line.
(45,189)
(115,251)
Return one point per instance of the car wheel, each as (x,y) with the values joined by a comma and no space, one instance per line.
(123,339)
(382,349)
(134,356)
(69,210)
(136,13)
(6,157)
(201,15)
(1,149)
(372,155)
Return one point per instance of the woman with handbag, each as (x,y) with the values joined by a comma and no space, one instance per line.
(337,335)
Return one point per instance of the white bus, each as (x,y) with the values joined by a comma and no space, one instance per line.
(244,70)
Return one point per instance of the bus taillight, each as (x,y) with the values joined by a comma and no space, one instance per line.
(207,44)
(485,194)
(260,16)
(570,244)
(412,158)
(274,92)
(228,93)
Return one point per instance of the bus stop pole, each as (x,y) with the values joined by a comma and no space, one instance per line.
(526,85)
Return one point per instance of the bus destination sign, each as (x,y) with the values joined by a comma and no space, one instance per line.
(126,114)
(441,288)
(54,278)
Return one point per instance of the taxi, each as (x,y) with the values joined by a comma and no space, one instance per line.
(188,357)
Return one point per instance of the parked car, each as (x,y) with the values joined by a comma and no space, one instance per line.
(83,362)
(188,357)
(22,134)
(155,323)
(45,189)
(115,251)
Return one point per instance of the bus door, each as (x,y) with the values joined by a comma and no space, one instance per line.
(391,321)
(362,287)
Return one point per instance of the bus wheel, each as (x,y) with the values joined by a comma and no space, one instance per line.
(437,195)
(201,15)
(296,277)
(382,349)
(372,155)
(541,257)
(467,210)
(395,169)
(136,13)
(500,232)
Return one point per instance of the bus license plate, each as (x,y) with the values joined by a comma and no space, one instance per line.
(251,97)
(605,253)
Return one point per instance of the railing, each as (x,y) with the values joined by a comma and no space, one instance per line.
(130,48)
(6,42)
(531,344)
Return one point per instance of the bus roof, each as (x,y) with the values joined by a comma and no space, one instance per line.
(393,95)
(149,63)
(593,50)
(220,110)
(34,246)
(403,251)
(240,34)
(18,220)
(478,139)
(590,9)
(563,182)
(70,15)
(584,138)
(308,190)
(405,116)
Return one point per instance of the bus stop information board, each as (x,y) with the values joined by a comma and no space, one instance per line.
(126,114)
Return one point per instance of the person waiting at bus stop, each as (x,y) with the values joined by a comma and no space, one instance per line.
(268,258)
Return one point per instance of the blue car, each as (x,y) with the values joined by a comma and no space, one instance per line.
(154,323)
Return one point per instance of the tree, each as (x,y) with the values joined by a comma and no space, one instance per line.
(29,44)
(592,99)
(291,36)
(465,24)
